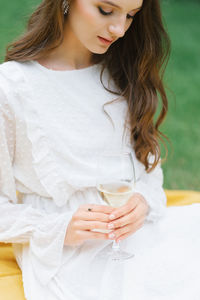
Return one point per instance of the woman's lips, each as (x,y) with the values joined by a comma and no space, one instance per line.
(106,42)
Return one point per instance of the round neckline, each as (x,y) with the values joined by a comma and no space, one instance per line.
(82,70)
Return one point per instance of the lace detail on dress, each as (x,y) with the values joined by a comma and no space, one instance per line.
(44,163)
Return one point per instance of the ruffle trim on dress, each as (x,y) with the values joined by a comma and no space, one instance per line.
(156,209)
(47,245)
(44,162)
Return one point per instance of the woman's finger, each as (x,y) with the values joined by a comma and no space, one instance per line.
(89,225)
(90,235)
(118,232)
(124,209)
(130,218)
(92,216)
(123,236)
(136,214)
(106,209)
(125,220)
(131,228)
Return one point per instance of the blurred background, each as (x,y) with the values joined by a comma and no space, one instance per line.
(182,80)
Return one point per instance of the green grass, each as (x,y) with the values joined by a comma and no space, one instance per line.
(13,15)
(182,168)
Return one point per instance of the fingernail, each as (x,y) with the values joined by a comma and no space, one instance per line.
(111,235)
(110,226)
(111,217)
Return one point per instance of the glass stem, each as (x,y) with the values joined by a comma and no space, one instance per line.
(115,246)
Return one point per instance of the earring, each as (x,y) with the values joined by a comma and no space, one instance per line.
(65,7)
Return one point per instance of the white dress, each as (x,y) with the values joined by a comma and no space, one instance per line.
(52,126)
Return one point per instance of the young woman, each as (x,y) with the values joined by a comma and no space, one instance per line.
(85,73)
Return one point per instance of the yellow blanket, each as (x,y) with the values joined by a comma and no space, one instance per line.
(11,286)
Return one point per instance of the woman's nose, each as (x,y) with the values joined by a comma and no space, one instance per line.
(118,29)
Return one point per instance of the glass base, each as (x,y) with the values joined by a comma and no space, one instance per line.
(119,255)
(115,253)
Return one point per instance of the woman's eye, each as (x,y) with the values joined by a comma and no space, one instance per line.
(104,12)
(130,17)
(109,13)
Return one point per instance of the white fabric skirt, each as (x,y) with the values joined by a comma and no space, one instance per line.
(166,265)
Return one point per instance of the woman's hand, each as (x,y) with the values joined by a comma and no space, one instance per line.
(83,221)
(129,217)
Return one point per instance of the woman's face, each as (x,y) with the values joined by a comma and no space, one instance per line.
(89,19)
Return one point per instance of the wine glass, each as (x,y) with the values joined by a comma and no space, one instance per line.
(115,182)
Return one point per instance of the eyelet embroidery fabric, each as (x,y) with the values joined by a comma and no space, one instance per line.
(33,159)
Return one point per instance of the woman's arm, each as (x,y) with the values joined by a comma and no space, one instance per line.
(21,223)
(46,233)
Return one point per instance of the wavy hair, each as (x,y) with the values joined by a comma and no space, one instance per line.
(136,63)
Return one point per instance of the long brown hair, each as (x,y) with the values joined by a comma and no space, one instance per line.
(136,62)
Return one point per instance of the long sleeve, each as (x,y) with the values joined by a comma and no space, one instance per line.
(21,223)
(150,185)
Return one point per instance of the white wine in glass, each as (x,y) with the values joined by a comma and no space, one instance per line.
(115,184)
(116,194)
